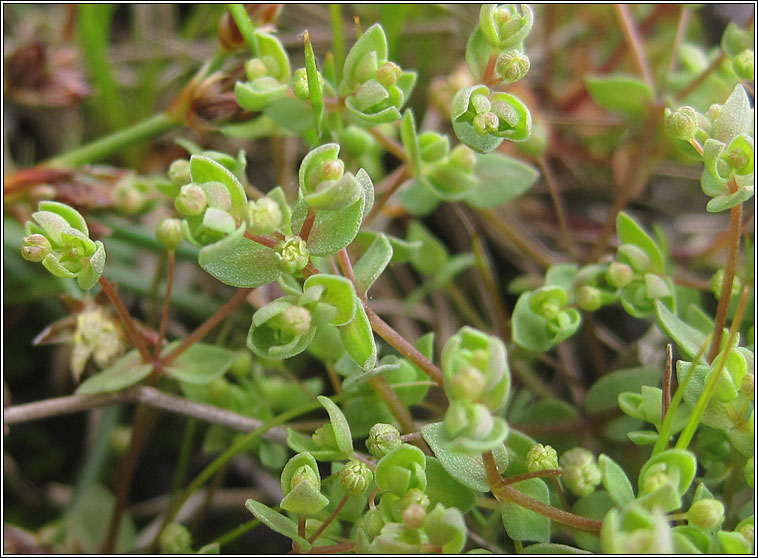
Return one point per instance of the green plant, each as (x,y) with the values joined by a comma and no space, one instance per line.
(524,418)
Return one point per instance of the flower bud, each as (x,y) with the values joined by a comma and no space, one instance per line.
(480,103)
(241,366)
(292,254)
(382,439)
(355,478)
(414,516)
(191,200)
(300,84)
(307,475)
(580,472)
(744,64)
(717,284)
(682,123)
(388,73)
(255,68)
(263,216)
(485,123)
(541,458)
(512,65)
(463,157)
(179,172)
(619,275)
(175,539)
(655,478)
(706,513)
(416,497)
(323,436)
(170,234)
(296,321)
(714,111)
(35,248)
(128,196)
(332,169)
(588,298)
(467,384)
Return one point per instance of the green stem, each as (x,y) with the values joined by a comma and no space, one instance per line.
(705,396)
(237,532)
(338,39)
(246,27)
(104,146)
(240,445)
(182,462)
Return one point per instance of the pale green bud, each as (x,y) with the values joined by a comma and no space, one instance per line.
(414,516)
(388,73)
(512,65)
(682,123)
(655,478)
(191,200)
(35,248)
(467,384)
(307,475)
(296,321)
(175,539)
(292,254)
(263,216)
(300,84)
(382,439)
(588,298)
(463,157)
(323,436)
(241,366)
(619,275)
(332,170)
(580,472)
(169,234)
(127,195)
(717,284)
(480,103)
(744,64)
(355,478)
(485,123)
(255,68)
(706,513)
(119,439)
(541,458)
(179,172)
(415,496)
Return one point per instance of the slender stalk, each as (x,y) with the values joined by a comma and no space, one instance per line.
(329,519)
(131,328)
(246,27)
(701,77)
(684,20)
(503,492)
(206,326)
(634,42)
(398,177)
(411,436)
(401,345)
(237,532)
(301,532)
(332,548)
(667,372)
(729,272)
(560,212)
(166,304)
(389,397)
(710,386)
(389,144)
(338,38)
(106,145)
(182,462)
(488,78)
(305,230)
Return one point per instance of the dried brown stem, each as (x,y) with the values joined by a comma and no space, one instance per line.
(166,303)
(635,43)
(131,328)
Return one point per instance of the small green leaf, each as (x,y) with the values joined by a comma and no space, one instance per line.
(626,95)
(291,114)
(370,49)
(338,292)
(93,269)
(466,468)
(604,392)
(444,489)
(124,372)
(277,522)
(522,524)
(71,215)
(201,363)
(615,481)
(689,339)
(204,169)
(681,461)
(410,142)
(314,85)
(339,424)
(401,469)
(258,94)
(432,256)
(372,263)
(358,339)
(446,529)
(239,261)
(417,197)
(332,230)
(501,179)
(630,232)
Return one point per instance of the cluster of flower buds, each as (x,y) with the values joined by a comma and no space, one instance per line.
(724,139)
(59,238)
(580,471)
(301,485)
(375,88)
(268,75)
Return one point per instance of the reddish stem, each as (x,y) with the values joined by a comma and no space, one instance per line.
(329,519)
(305,230)
(131,328)
(206,326)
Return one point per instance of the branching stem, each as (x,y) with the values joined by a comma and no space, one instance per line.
(131,328)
